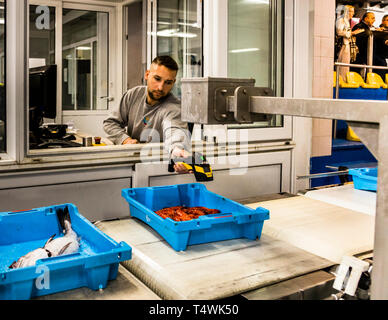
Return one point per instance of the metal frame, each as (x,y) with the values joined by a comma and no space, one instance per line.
(370,122)
(16,89)
(111,53)
(215,48)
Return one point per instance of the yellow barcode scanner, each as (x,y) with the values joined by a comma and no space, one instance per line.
(197,163)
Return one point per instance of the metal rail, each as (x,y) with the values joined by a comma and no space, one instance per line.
(324,174)
(361,66)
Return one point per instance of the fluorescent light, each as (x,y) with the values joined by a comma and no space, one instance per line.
(194,25)
(244,50)
(84,48)
(175,33)
(257,1)
(2,21)
(166,32)
(184,35)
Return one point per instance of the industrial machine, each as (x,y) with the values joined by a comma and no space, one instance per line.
(223,101)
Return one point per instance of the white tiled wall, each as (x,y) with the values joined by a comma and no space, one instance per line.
(324,21)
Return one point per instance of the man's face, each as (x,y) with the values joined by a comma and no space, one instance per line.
(370,19)
(385,22)
(160,81)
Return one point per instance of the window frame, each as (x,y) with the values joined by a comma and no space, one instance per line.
(216,65)
(3,154)
(16,94)
(114,10)
(17,55)
(112,53)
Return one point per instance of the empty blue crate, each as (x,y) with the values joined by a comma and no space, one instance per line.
(364,178)
(234,220)
(95,262)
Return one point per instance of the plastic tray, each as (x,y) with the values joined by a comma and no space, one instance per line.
(364,178)
(234,220)
(95,263)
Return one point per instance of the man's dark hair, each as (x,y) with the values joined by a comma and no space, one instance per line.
(366,15)
(166,61)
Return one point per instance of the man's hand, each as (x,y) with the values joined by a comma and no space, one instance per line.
(130,141)
(179,153)
(358,31)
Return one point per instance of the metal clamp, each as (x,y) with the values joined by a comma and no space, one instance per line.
(242,100)
(221,112)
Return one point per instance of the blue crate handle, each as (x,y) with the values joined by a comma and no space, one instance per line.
(219,218)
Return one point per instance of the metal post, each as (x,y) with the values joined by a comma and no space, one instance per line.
(337,81)
(370,52)
(17,79)
(337,85)
(379,289)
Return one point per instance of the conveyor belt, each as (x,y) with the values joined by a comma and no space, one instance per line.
(348,197)
(324,229)
(209,271)
(124,287)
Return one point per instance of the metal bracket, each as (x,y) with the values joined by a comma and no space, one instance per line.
(357,266)
(221,112)
(242,103)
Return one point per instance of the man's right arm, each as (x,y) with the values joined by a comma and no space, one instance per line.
(115,125)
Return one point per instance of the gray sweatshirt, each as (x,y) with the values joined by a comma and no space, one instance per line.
(137,119)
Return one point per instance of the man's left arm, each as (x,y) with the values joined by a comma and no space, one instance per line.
(176,135)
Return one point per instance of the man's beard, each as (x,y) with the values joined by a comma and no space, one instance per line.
(151,95)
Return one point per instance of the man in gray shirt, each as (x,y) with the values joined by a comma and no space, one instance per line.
(152,113)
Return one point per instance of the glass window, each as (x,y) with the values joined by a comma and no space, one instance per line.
(179,34)
(42,36)
(84,71)
(42,70)
(85,60)
(2,79)
(253,46)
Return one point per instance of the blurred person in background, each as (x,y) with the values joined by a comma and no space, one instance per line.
(345,37)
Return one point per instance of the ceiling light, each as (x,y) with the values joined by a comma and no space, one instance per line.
(257,1)
(175,33)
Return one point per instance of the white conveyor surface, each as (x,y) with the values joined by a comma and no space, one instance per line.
(324,229)
(348,197)
(209,271)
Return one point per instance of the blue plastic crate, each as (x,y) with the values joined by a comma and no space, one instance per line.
(95,263)
(233,221)
(364,178)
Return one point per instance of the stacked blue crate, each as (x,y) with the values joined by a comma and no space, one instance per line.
(95,263)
